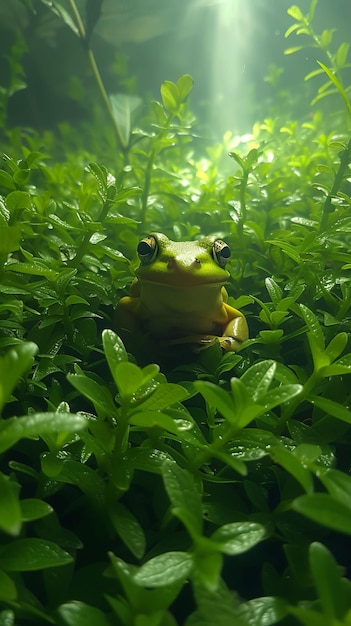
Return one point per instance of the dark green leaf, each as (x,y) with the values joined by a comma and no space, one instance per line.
(325,510)
(327,577)
(33,508)
(170,96)
(76,613)
(8,591)
(128,528)
(38,424)
(13,365)
(184,496)
(28,555)
(165,569)
(238,537)
(10,511)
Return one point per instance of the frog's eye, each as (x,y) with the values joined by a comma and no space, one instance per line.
(221,252)
(147,250)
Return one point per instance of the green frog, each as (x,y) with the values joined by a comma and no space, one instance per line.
(178,296)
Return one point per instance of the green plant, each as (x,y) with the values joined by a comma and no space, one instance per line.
(215,490)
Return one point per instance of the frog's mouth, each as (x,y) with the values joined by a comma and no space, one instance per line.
(183,281)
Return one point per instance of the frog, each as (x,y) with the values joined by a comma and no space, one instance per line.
(178,296)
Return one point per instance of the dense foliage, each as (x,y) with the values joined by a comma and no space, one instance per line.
(217,491)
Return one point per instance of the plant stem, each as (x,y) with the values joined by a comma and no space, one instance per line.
(206,455)
(148,172)
(95,72)
(291,408)
(345,159)
(146,189)
(242,199)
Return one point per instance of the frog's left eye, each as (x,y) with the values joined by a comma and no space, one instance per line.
(221,252)
(147,249)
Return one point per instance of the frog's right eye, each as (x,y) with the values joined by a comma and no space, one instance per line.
(147,249)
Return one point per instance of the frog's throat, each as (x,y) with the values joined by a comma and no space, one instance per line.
(183,285)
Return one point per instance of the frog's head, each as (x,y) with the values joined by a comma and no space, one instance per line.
(183,263)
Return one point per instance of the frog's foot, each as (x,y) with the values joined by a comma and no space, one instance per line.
(229,344)
(199,342)
(202,342)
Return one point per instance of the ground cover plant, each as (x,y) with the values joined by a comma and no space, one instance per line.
(217,490)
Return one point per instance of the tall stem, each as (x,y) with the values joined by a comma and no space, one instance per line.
(345,159)
(148,173)
(95,72)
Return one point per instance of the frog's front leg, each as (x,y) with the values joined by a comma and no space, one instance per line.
(126,315)
(236,330)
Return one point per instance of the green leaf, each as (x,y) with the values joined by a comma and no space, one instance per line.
(291,30)
(57,8)
(10,512)
(341,54)
(308,617)
(263,611)
(184,496)
(123,106)
(152,419)
(296,13)
(274,291)
(6,180)
(128,528)
(287,248)
(330,407)
(170,96)
(292,464)
(279,395)
(164,396)
(220,602)
(239,160)
(128,378)
(165,569)
(100,174)
(342,366)
(238,537)
(338,484)
(8,591)
(114,349)
(258,378)
(313,325)
(336,346)
(327,578)
(217,398)
(98,395)
(10,239)
(12,366)
(184,84)
(325,510)
(38,424)
(333,79)
(85,478)
(18,200)
(7,618)
(271,336)
(28,555)
(312,10)
(34,269)
(76,613)
(33,508)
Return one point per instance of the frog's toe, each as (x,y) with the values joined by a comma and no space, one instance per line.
(230,344)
